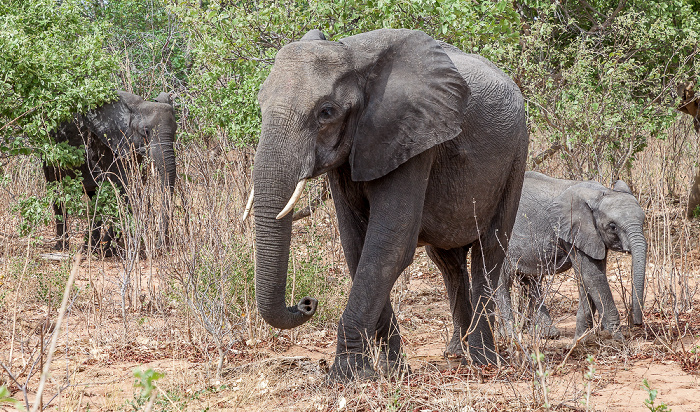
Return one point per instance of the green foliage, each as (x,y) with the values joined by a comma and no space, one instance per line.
(650,401)
(7,399)
(36,211)
(105,205)
(50,283)
(149,41)
(589,376)
(53,64)
(228,277)
(233,45)
(601,84)
(309,278)
(146,381)
(696,212)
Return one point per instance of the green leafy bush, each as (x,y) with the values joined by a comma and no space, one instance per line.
(52,65)
(601,86)
(233,44)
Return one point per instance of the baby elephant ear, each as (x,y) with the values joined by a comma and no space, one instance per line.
(571,216)
(415,98)
(314,34)
(620,186)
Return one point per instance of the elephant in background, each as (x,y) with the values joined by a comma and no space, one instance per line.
(424,145)
(690,104)
(112,135)
(566,223)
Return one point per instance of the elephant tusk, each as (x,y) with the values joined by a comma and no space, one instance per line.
(293,200)
(248,205)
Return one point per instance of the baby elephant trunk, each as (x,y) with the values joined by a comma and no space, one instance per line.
(638,248)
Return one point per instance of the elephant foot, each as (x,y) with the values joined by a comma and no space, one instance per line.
(352,367)
(547,331)
(614,333)
(389,365)
(482,356)
(455,348)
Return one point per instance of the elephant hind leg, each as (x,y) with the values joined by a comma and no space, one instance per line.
(453,266)
(486,266)
(487,259)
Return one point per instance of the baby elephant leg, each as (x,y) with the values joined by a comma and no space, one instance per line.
(541,320)
(595,294)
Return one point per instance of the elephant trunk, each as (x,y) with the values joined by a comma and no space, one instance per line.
(274,181)
(638,249)
(162,153)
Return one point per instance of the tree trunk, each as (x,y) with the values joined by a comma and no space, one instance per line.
(694,198)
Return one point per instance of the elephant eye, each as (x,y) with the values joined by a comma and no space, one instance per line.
(326,113)
(612,226)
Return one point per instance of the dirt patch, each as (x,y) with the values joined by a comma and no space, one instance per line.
(285,370)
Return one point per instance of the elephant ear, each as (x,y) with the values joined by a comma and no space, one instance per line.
(111,123)
(415,99)
(621,186)
(571,217)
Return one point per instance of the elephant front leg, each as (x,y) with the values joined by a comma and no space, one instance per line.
(453,266)
(387,248)
(388,340)
(595,294)
(367,320)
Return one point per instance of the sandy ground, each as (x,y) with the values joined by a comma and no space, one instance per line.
(285,370)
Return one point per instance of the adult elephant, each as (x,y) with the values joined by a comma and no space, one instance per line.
(114,135)
(567,223)
(423,145)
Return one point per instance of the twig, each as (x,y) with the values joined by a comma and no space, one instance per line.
(9,235)
(57,330)
(555,147)
(588,332)
(325,195)
(22,115)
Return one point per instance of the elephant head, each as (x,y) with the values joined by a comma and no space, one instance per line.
(594,219)
(113,134)
(367,104)
(130,123)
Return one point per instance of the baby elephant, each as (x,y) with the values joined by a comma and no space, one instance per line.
(567,223)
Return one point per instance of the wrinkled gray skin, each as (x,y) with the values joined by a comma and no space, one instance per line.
(567,223)
(111,134)
(423,145)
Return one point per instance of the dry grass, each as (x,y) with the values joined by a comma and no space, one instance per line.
(188,310)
